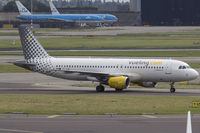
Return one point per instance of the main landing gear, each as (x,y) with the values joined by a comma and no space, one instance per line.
(118,90)
(100,88)
(172,89)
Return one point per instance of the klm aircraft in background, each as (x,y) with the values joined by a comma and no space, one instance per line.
(74,18)
(107,18)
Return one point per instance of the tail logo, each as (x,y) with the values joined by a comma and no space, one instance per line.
(23,10)
(54,10)
(29,38)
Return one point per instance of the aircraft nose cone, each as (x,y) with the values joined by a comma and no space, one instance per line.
(194,74)
(115,18)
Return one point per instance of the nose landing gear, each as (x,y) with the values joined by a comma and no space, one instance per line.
(172,89)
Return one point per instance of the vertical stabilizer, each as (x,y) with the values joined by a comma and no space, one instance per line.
(53,8)
(22,9)
(30,45)
(189,123)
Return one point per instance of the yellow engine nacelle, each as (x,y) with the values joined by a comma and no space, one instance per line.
(118,82)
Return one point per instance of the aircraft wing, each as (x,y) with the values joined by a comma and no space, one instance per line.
(102,76)
(90,73)
(58,19)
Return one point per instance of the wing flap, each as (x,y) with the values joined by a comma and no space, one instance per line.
(95,74)
(103,75)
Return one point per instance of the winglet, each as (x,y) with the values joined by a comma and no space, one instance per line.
(22,9)
(53,8)
(189,123)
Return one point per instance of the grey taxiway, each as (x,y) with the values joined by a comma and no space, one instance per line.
(97,124)
(35,83)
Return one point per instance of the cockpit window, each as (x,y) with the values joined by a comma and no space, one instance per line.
(183,67)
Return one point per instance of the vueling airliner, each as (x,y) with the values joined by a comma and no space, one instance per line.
(116,73)
(73,18)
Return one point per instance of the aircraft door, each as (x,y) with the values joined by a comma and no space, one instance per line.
(168,69)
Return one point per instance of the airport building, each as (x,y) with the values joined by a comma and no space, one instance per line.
(167,12)
(135,5)
(170,12)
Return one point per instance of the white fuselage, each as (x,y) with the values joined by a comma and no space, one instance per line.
(138,70)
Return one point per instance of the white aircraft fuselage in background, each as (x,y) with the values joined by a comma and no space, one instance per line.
(116,73)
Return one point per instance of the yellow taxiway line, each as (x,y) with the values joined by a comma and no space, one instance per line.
(149,116)
(53,116)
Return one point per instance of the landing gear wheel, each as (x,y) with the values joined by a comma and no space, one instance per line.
(172,90)
(118,90)
(100,88)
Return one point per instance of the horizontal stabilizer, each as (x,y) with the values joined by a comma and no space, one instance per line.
(24,64)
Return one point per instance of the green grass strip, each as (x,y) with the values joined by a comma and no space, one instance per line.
(194,65)
(130,53)
(188,53)
(11,53)
(122,41)
(96,104)
(4,68)
(8,33)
